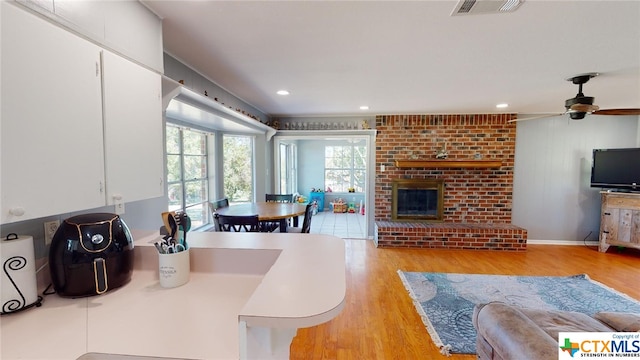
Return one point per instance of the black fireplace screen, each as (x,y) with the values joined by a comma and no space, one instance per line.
(417,200)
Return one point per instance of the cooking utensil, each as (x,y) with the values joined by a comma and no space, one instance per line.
(184,224)
(165,219)
(173,226)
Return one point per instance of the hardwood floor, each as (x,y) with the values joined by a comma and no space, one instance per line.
(380,322)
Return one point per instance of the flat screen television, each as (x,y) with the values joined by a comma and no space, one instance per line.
(616,169)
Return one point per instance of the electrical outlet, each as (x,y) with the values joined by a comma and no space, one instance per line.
(50,228)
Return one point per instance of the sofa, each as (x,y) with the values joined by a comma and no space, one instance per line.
(506,332)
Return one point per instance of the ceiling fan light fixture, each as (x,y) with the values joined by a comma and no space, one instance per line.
(502,106)
(577,115)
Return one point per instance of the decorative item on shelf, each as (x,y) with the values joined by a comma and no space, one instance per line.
(329,189)
(181,82)
(275,124)
(477,156)
(365,125)
(442,153)
(317,190)
(351,189)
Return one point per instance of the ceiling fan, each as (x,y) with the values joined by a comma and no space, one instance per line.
(580,105)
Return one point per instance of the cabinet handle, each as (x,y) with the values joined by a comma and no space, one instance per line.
(607,213)
(605,232)
(101,188)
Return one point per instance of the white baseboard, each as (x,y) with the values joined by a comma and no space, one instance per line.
(562,242)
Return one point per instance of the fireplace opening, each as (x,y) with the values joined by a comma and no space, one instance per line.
(417,200)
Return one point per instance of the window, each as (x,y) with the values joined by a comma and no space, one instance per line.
(345,167)
(288,168)
(187,182)
(238,168)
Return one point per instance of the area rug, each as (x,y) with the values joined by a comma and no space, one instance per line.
(445,301)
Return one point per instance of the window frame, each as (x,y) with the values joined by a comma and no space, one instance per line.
(182,181)
(351,169)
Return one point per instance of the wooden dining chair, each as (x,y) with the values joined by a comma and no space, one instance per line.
(249,223)
(271,226)
(214,206)
(283,198)
(306,223)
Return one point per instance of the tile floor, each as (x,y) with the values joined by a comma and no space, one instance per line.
(342,225)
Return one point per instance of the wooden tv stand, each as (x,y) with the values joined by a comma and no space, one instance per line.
(620,220)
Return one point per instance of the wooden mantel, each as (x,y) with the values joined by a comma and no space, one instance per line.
(460,163)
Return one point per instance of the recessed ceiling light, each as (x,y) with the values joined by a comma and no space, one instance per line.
(502,106)
(282,92)
(364,107)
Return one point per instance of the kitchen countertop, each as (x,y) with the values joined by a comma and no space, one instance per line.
(259,280)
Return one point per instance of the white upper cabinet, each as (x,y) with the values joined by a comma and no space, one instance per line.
(51,119)
(133,130)
(80,127)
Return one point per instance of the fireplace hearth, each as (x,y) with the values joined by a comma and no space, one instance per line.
(417,200)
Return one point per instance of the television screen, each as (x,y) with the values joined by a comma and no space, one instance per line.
(616,168)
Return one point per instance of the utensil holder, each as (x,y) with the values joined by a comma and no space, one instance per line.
(174,269)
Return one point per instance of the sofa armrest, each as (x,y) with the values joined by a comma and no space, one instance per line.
(511,334)
(623,322)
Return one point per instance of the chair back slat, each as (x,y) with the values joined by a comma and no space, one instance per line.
(283,198)
(215,205)
(229,223)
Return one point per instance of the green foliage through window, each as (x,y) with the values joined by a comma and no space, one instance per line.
(187,183)
(238,168)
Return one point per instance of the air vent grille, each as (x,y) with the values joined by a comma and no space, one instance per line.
(474,7)
(466,6)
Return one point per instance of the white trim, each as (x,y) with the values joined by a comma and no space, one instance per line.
(562,242)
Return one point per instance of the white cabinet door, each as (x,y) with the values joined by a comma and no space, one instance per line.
(133,130)
(52,158)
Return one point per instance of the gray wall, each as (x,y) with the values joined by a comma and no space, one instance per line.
(311,164)
(552,198)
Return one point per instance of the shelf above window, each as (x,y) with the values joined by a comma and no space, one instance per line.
(463,164)
(188,106)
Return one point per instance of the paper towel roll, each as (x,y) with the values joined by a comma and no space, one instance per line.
(19,285)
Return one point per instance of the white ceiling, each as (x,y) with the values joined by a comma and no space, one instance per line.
(401,57)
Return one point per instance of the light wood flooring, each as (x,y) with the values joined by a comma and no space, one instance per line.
(379,321)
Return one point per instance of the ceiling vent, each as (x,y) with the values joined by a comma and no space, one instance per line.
(474,7)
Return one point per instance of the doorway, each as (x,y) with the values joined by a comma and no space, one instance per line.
(301,166)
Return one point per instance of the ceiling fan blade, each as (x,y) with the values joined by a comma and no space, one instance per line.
(535,117)
(587,108)
(617,112)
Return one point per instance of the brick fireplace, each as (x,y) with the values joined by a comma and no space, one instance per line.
(477,176)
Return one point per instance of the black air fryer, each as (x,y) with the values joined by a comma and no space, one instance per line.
(91,254)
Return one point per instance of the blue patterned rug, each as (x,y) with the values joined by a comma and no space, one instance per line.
(445,301)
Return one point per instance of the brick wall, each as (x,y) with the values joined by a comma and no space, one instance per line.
(477,202)
(471,195)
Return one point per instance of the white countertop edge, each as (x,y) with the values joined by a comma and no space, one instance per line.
(286,283)
(298,322)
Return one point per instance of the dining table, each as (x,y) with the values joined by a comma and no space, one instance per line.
(267,211)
